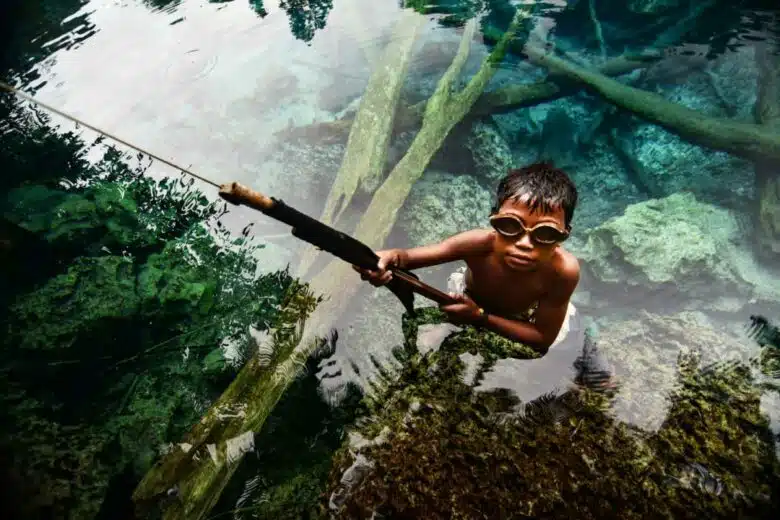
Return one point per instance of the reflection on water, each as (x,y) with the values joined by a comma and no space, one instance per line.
(144,323)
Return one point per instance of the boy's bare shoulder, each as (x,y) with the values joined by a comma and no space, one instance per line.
(567,270)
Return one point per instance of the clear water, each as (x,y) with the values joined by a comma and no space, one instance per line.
(253,92)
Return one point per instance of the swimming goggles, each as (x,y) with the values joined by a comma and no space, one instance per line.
(511,226)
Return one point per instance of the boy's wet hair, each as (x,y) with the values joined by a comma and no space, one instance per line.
(546,186)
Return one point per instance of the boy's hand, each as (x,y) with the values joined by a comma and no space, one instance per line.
(381,276)
(465,310)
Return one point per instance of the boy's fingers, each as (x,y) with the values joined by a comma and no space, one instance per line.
(457,297)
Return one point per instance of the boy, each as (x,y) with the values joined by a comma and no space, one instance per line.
(519,279)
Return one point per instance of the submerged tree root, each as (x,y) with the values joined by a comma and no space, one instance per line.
(369,136)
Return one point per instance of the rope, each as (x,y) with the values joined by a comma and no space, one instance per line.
(22,95)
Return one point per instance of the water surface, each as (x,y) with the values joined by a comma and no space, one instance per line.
(227,88)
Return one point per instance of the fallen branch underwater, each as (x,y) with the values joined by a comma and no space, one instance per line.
(364,160)
(749,141)
(499,101)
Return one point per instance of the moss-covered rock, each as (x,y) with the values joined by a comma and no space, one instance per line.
(678,242)
(441,205)
(671,165)
(491,153)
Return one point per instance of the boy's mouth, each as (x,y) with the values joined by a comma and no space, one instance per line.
(520,259)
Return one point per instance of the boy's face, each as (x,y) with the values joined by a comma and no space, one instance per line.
(522,253)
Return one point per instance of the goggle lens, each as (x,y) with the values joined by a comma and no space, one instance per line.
(542,234)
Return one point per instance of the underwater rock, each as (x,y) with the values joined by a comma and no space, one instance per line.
(673,165)
(567,126)
(677,244)
(490,151)
(647,371)
(560,131)
(605,187)
(441,205)
(725,88)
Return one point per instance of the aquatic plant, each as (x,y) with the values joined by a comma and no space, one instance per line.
(115,341)
(560,456)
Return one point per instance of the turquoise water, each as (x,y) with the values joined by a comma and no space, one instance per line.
(125,322)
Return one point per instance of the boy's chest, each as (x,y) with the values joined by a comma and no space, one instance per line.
(511,292)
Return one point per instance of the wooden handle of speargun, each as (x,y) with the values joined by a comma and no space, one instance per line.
(424,289)
(236,193)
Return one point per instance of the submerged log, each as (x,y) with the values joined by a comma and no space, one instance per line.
(366,154)
(767,114)
(499,101)
(749,141)
(187,481)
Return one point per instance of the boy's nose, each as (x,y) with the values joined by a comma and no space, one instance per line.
(525,241)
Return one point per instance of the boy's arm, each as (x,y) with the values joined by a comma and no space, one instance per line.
(456,247)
